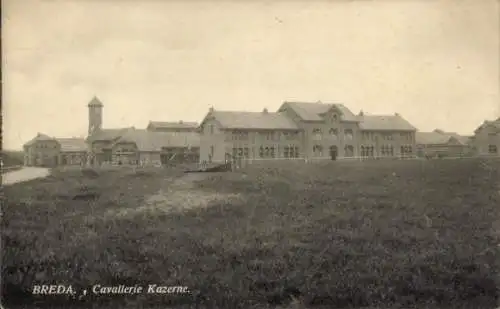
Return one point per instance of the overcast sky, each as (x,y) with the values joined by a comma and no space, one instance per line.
(434,62)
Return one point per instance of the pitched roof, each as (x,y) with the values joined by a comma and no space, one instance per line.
(107,134)
(173,125)
(494,123)
(95,102)
(39,137)
(72,144)
(253,120)
(440,137)
(431,138)
(384,123)
(154,141)
(312,111)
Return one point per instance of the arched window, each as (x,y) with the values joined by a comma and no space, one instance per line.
(334,133)
(349,151)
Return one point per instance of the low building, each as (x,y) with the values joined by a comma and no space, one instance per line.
(73,151)
(439,143)
(486,139)
(145,147)
(47,151)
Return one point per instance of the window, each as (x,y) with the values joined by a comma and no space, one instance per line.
(261,152)
(406,150)
(387,150)
(290,135)
(241,152)
(240,135)
(317,134)
(367,151)
(291,152)
(492,149)
(348,134)
(211,128)
(269,136)
(349,151)
(318,150)
(388,137)
(334,133)
(335,117)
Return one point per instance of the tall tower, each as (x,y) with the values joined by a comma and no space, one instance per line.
(95,115)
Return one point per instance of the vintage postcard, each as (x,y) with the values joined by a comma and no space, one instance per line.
(250,154)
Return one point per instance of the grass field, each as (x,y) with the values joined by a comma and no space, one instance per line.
(401,234)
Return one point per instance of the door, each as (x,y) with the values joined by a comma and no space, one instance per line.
(333,152)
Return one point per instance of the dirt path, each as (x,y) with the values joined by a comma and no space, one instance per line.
(178,196)
(24,174)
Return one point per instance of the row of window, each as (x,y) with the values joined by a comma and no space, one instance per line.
(293,151)
(45,146)
(270,136)
(317,135)
(267,152)
(385,151)
(372,136)
(334,133)
(318,150)
(492,149)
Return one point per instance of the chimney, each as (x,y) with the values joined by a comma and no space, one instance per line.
(397,114)
(361,113)
(180,121)
(211,109)
(265,111)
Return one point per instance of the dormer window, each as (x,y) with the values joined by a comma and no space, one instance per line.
(335,117)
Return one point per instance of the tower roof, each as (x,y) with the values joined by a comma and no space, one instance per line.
(95,102)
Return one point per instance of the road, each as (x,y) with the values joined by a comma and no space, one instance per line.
(24,174)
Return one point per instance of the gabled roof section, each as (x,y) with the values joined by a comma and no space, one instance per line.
(95,102)
(72,144)
(437,137)
(252,120)
(172,125)
(107,134)
(431,138)
(151,141)
(384,123)
(309,111)
(39,137)
(486,123)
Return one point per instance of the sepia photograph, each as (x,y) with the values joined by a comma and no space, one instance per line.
(243,154)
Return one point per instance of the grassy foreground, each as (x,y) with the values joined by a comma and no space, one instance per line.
(417,234)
